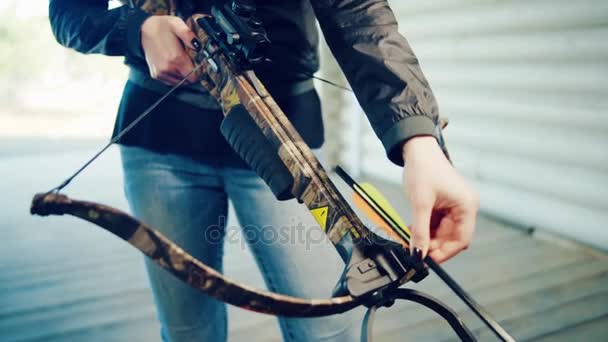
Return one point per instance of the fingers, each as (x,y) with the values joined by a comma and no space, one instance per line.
(455,232)
(183,64)
(185,67)
(165,40)
(434,186)
(168,79)
(421,228)
(173,70)
(185,34)
(443,250)
(446,251)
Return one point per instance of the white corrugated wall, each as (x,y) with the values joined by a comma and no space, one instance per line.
(525,86)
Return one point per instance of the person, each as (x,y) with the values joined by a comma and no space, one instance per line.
(179,173)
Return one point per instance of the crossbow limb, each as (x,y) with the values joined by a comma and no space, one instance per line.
(232,41)
(184,266)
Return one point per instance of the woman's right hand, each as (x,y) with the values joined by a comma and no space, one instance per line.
(164,39)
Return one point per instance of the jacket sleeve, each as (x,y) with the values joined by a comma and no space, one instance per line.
(88,26)
(381,68)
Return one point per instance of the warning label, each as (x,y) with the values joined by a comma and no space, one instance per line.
(320,214)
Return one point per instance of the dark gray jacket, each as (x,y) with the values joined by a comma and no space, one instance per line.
(362,34)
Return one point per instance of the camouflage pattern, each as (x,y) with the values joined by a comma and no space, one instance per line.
(312,185)
(184,266)
(231,87)
(155,7)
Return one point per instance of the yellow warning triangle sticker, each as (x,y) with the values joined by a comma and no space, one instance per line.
(320,214)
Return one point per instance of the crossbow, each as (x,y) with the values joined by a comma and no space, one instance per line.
(232,41)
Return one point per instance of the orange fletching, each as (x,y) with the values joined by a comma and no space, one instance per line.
(376,219)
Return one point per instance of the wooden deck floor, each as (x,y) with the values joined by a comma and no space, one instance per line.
(64,280)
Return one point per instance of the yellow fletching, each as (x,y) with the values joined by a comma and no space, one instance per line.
(367,197)
(384,203)
(376,219)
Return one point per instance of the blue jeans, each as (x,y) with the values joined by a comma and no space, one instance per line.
(187,199)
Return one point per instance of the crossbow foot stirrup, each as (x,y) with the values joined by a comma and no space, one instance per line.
(423,299)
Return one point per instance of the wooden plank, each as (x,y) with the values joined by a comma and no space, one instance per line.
(528,304)
(489,289)
(74,324)
(408,316)
(96,268)
(570,313)
(265,330)
(49,296)
(401,316)
(592,330)
(273,323)
(86,266)
(74,318)
(76,309)
(436,287)
(487,269)
(123,328)
(60,319)
(53,255)
(61,294)
(141,329)
(86,280)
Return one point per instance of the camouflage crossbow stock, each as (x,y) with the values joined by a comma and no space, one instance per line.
(232,41)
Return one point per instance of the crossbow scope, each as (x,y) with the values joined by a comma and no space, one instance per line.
(234,29)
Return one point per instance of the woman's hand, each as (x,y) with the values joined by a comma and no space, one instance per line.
(444,205)
(163,39)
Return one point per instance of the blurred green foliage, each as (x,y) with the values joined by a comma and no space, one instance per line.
(28,50)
